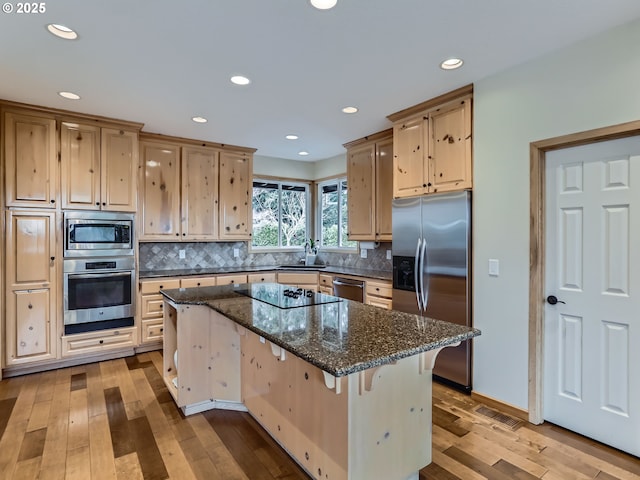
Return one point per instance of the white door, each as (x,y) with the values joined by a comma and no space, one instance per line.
(592,335)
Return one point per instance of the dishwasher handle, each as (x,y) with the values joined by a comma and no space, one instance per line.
(348,289)
(349,284)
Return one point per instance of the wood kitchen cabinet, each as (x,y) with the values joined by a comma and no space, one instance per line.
(236,188)
(159,191)
(369,180)
(432,145)
(31,286)
(194,192)
(31,160)
(151,304)
(379,293)
(199,193)
(99,168)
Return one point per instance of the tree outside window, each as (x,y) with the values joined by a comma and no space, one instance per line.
(280,217)
(333,217)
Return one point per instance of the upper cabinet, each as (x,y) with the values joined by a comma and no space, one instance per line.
(236,187)
(83,163)
(99,168)
(369,181)
(159,191)
(187,190)
(31,163)
(432,145)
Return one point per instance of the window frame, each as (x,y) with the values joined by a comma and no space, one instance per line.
(318,213)
(308,210)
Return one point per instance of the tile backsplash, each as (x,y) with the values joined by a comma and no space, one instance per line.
(166,256)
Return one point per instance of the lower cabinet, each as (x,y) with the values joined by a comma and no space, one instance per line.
(268,277)
(306,281)
(100,341)
(379,293)
(151,305)
(31,326)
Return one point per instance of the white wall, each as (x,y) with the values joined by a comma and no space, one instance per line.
(280,167)
(589,85)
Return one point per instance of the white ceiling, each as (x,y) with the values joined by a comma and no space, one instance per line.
(161,62)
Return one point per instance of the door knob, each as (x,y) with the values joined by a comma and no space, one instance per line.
(552,300)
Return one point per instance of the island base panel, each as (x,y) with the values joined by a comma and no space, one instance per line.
(372,424)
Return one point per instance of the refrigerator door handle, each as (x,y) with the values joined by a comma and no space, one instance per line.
(423,267)
(417,274)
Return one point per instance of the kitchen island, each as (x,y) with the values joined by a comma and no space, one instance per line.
(344,387)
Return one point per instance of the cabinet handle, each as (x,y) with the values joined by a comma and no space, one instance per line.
(161,287)
(101,342)
(162,330)
(53,201)
(97,203)
(184,234)
(104,203)
(30,306)
(53,258)
(177,234)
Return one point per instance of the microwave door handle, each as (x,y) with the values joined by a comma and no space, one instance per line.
(416,274)
(100,275)
(424,274)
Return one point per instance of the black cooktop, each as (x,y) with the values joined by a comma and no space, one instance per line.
(285,296)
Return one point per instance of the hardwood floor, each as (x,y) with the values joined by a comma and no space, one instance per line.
(116,420)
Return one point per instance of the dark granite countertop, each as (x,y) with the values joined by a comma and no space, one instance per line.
(340,338)
(332,269)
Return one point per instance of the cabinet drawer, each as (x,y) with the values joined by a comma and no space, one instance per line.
(152,330)
(380,289)
(327,290)
(231,279)
(152,305)
(96,342)
(379,302)
(154,286)
(261,277)
(298,278)
(326,281)
(198,282)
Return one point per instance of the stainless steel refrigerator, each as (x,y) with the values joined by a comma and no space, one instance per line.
(431,270)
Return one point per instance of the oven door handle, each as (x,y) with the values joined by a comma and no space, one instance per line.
(100,275)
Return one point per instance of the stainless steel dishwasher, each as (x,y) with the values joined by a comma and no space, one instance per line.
(348,288)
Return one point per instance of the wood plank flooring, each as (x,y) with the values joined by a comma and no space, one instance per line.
(116,420)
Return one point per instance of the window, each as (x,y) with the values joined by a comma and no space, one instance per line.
(332,216)
(280,217)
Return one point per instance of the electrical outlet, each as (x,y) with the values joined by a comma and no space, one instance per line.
(182,254)
(363,253)
(388,254)
(236,252)
(494,267)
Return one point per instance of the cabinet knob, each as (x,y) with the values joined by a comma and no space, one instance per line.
(53,201)
(177,234)
(162,329)
(161,287)
(183,234)
(30,306)
(101,342)
(97,203)
(53,258)
(104,203)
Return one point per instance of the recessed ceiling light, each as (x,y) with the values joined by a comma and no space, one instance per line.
(62,31)
(291,137)
(324,4)
(303,153)
(451,63)
(199,119)
(350,109)
(240,80)
(69,95)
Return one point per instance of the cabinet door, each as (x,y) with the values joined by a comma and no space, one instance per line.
(30,249)
(450,147)
(384,189)
(199,194)
(409,156)
(160,191)
(119,170)
(31,160)
(80,158)
(235,195)
(30,326)
(360,198)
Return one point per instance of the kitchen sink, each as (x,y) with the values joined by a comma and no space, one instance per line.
(299,266)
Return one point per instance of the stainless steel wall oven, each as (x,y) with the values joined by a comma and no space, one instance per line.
(99,271)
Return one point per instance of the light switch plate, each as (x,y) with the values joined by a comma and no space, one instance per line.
(494,267)
(182,254)
(236,252)
(363,253)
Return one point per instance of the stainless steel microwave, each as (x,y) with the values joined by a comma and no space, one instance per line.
(98,234)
